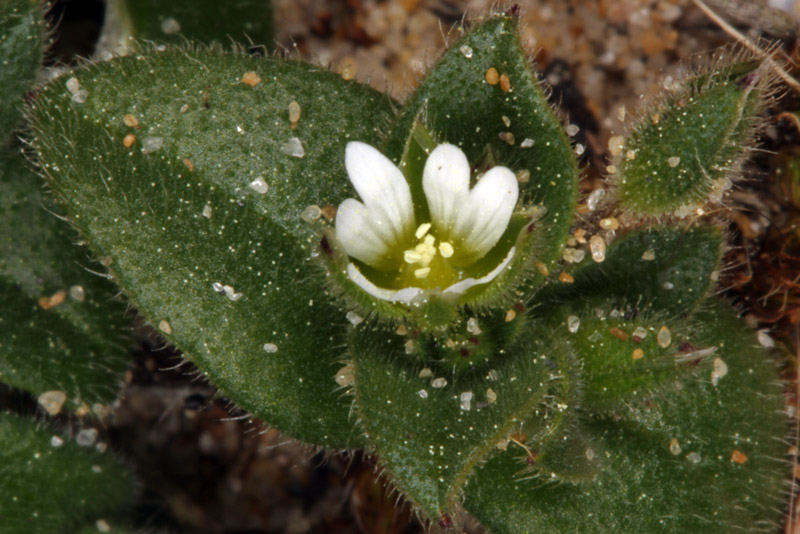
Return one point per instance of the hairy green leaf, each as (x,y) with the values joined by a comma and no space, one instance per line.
(61,327)
(210,194)
(22,42)
(660,270)
(52,484)
(683,153)
(432,426)
(708,458)
(239,21)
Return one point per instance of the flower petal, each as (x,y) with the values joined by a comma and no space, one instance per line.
(355,232)
(483,219)
(384,191)
(459,288)
(445,181)
(405,295)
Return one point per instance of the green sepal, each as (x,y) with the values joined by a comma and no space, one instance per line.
(182,218)
(61,326)
(428,436)
(659,270)
(209,22)
(22,44)
(458,106)
(725,470)
(52,484)
(684,152)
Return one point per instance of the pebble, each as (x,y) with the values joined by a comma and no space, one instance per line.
(573,323)
(664,337)
(492,76)
(86,437)
(438,382)
(615,144)
(597,246)
(52,401)
(353,318)
(251,78)
(465,400)
(170,26)
(151,144)
(345,376)
(259,185)
(294,147)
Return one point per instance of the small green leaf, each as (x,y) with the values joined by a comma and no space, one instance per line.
(431,426)
(708,458)
(459,106)
(635,358)
(22,41)
(243,21)
(52,484)
(684,152)
(61,329)
(656,270)
(210,194)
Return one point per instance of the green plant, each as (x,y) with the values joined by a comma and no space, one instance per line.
(548,373)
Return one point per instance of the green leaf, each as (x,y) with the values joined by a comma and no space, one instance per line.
(61,329)
(458,106)
(627,357)
(188,214)
(667,270)
(22,41)
(52,484)
(686,151)
(432,426)
(724,471)
(210,21)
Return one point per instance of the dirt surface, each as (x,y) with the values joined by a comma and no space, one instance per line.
(207,468)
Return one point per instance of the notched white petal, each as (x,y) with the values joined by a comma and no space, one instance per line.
(384,191)
(355,232)
(459,288)
(445,181)
(405,295)
(483,219)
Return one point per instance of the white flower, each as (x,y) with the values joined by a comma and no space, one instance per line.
(463,225)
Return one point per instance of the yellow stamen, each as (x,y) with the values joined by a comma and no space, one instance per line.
(422,230)
(412,256)
(423,255)
(422,273)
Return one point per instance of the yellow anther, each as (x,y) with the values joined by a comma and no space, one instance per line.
(411,256)
(422,230)
(422,273)
(445,249)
